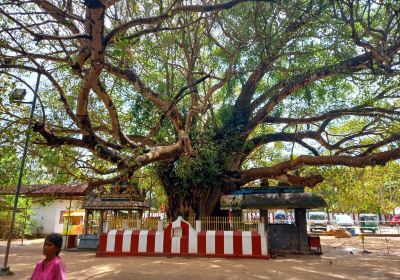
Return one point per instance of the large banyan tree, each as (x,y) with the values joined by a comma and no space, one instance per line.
(212,95)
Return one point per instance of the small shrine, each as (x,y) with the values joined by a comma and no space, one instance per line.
(281,237)
(109,207)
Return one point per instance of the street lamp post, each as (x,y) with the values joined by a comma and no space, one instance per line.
(18,96)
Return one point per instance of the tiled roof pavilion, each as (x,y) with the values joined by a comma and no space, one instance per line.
(78,191)
(54,190)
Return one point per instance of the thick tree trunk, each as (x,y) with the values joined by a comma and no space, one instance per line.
(193,201)
(197,192)
(197,203)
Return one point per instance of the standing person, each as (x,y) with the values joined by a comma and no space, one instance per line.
(51,268)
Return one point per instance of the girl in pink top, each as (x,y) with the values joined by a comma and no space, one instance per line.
(51,268)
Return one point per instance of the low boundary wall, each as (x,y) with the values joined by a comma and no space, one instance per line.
(180,239)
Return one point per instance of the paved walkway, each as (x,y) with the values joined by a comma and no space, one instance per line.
(342,259)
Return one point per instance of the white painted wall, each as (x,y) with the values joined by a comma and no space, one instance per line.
(49,216)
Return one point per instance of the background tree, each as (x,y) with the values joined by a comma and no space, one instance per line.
(368,190)
(203,92)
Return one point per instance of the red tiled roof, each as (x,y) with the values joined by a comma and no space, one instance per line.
(49,190)
(99,204)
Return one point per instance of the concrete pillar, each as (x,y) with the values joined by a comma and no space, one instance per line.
(263,215)
(261,228)
(86,222)
(264,218)
(160,226)
(198,226)
(301,225)
(101,221)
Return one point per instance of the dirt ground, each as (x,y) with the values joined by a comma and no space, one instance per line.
(341,259)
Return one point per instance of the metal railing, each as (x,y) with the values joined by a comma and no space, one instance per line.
(228,223)
(133,223)
(207,223)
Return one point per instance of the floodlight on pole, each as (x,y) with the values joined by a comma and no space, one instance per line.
(18,96)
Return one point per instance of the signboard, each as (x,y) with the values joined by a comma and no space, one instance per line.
(231,202)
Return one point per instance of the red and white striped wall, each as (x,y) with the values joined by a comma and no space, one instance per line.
(232,244)
(180,239)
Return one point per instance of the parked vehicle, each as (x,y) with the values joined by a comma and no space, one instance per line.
(394,221)
(343,221)
(317,221)
(369,222)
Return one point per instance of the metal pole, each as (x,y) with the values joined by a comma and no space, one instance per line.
(6,269)
(69,219)
(25,218)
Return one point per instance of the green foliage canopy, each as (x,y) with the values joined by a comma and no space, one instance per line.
(220,94)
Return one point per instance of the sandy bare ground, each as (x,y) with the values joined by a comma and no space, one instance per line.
(342,259)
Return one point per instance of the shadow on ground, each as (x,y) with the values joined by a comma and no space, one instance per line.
(342,259)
